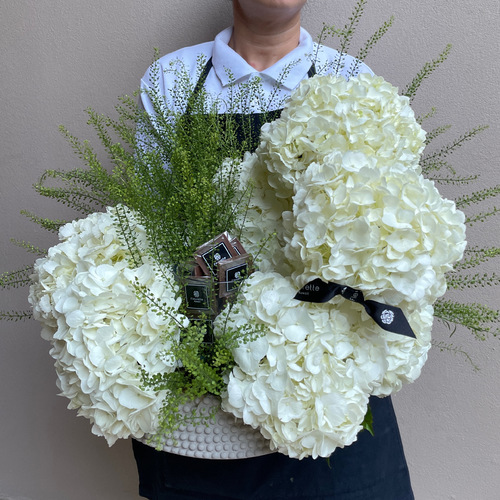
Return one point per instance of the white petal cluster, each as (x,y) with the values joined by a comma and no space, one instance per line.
(305,383)
(102,334)
(374,228)
(337,180)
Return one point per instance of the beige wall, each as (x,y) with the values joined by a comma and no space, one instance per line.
(60,56)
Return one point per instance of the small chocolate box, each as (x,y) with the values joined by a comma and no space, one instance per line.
(232,272)
(211,253)
(238,247)
(197,271)
(199,295)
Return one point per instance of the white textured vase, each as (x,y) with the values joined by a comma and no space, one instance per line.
(224,438)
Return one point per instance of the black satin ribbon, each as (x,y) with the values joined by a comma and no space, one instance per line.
(389,318)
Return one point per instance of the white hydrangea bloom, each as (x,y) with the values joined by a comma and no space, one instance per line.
(373,228)
(306,381)
(337,180)
(101,332)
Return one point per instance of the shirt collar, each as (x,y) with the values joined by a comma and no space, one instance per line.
(230,67)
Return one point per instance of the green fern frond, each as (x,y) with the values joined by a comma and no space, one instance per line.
(477,197)
(49,224)
(436,156)
(16,315)
(18,278)
(433,134)
(369,44)
(476,256)
(477,318)
(452,348)
(29,247)
(429,67)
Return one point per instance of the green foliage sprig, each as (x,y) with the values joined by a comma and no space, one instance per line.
(18,278)
(454,349)
(480,320)
(16,315)
(167,170)
(429,67)
(460,282)
(434,160)
(474,256)
(477,318)
(52,225)
(29,247)
(475,198)
(346,35)
(348,31)
(204,366)
(369,45)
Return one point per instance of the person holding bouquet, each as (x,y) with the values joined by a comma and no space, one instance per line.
(267,42)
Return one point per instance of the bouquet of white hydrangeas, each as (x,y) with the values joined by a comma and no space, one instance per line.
(340,248)
(337,179)
(102,334)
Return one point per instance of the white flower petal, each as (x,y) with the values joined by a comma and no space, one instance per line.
(101,332)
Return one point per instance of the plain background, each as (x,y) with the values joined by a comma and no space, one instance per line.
(60,56)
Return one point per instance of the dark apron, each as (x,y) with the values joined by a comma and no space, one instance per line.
(247,126)
(372,468)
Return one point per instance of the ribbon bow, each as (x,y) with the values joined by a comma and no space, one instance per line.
(389,318)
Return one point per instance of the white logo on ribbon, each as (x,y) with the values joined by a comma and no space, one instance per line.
(387,317)
(353,297)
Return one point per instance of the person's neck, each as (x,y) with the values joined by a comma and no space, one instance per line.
(261,44)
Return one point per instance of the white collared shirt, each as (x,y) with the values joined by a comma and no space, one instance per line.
(230,70)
